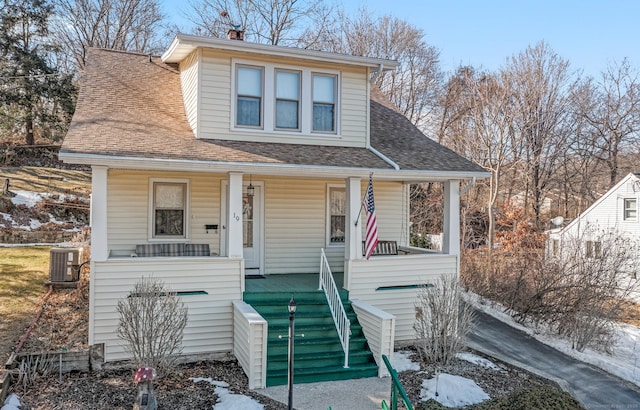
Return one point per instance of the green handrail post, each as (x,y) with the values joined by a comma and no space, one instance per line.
(396,387)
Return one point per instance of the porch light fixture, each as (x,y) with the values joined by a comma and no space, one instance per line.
(250,188)
(292,306)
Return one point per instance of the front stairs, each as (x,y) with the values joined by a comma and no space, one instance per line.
(318,355)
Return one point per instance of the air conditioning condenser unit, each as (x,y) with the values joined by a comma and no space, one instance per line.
(64,264)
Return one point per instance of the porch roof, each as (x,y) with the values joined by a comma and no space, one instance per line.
(130,113)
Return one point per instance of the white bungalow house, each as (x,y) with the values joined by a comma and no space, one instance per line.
(615,212)
(235,173)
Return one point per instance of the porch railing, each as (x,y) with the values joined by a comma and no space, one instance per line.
(340,318)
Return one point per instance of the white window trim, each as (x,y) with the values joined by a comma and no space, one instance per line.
(269,100)
(328,216)
(151,212)
(624,209)
(336,94)
(275,98)
(234,103)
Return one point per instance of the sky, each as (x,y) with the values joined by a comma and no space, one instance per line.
(591,34)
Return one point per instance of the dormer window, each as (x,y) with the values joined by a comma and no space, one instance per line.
(285,100)
(249,96)
(288,100)
(324,103)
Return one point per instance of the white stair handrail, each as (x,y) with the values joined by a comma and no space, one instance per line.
(340,318)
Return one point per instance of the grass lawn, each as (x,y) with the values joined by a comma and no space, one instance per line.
(51,180)
(23,272)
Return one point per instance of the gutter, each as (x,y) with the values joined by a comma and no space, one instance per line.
(273,169)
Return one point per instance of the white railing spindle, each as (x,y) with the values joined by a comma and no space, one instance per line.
(340,318)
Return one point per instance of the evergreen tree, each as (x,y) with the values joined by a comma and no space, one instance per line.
(35,98)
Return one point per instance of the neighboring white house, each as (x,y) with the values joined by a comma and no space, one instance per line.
(615,212)
(223,159)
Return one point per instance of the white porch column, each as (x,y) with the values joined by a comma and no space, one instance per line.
(353,233)
(234,216)
(99,246)
(451,228)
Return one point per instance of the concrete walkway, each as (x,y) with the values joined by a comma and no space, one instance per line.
(360,394)
(594,388)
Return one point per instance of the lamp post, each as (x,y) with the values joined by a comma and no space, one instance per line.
(292,313)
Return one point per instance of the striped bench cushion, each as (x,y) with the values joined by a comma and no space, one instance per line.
(197,249)
(152,249)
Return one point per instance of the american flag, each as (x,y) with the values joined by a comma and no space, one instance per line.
(371,240)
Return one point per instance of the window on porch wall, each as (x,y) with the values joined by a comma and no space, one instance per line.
(169,209)
(337,215)
(247,221)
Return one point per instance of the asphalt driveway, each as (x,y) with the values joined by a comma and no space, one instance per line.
(594,388)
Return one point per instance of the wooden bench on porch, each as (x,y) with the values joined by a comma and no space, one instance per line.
(384,248)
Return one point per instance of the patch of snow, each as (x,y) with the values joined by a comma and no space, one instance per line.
(624,362)
(475,359)
(12,403)
(452,391)
(228,400)
(402,362)
(28,198)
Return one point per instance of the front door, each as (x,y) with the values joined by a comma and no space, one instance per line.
(252,231)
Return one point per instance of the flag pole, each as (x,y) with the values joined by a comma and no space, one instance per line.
(362,202)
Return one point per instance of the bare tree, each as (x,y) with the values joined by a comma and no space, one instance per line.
(541,85)
(132,25)
(613,112)
(276,22)
(415,85)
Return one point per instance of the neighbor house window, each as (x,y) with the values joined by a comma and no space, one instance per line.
(169,208)
(594,249)
(630,209)
(288,100)
(324,102)
(337,215)
(249,96)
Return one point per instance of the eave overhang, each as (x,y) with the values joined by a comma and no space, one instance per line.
(184,44)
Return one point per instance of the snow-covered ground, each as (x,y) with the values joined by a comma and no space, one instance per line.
(624,362)
(447,389)
(30,199)
(228,400)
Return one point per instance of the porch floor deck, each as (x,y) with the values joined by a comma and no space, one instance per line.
(292,282)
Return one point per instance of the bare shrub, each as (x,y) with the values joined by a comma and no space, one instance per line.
(443,321)
(578,295)
(32,368)
(152,322)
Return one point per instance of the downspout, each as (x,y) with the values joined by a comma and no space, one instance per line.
(384,158)
(468,186)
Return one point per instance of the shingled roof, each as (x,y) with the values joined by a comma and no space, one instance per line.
(130,106)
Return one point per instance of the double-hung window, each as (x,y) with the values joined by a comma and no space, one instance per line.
(630,209)
(249,83)
(324,103)
(169,209)
(287,100)
(594,249)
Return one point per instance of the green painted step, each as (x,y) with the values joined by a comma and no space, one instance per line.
(318,355)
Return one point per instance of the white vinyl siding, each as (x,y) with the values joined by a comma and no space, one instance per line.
(295,222)
(210,325)
(250,332)
(216,100)
(128,207)
(606,214)
(189,70)
(367,276)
